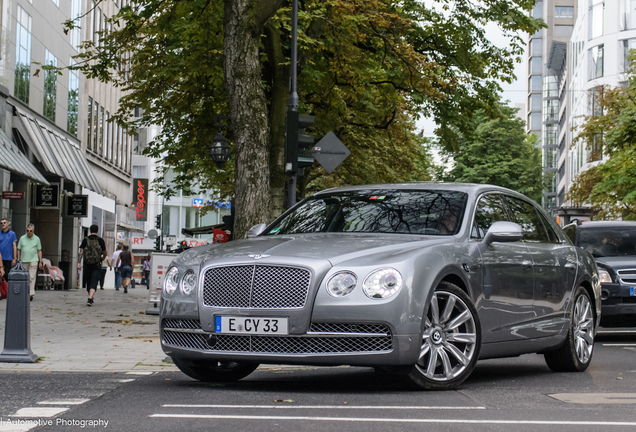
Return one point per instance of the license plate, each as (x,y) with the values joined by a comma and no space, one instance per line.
(632,291)
(251,325)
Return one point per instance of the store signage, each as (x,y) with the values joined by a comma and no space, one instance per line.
(197,202)
(140,199)
(47,197)
(12,195)
(77,206)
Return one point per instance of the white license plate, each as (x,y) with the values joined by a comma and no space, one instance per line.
(251,325)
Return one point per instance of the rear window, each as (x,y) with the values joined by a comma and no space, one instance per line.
(606,242)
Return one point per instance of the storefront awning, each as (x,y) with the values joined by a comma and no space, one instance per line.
(12,159)
(58,154)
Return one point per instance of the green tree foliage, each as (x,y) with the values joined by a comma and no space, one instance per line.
(610,186)
(500,153)
(367,69)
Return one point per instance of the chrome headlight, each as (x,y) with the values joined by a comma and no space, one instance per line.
(382,283)
(604,276)
(341,284)
(171,280)
(188,282)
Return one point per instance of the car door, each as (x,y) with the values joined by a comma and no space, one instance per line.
(554,267)
(506,301)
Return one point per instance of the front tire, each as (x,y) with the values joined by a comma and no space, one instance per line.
(214,371)
(575,354)
(451,340)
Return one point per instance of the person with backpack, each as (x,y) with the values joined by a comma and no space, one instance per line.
(126,259)
(93,251)
(29,251)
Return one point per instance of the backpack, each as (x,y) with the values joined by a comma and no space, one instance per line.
(92,252)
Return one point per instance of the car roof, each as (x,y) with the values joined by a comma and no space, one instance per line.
(607,224)
(470,188)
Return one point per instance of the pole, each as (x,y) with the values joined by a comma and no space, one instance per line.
(291,196)
(293,97)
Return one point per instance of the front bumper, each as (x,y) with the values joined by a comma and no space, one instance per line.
(361,344)
(617,301)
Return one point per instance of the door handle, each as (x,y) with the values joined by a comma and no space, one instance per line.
(526,263)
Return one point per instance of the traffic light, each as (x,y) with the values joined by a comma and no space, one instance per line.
(158,221)
(158,244)
(297,142)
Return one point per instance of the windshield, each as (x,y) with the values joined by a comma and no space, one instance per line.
(605,242)
(429,212)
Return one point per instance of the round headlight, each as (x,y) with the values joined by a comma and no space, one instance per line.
(188,282)
(604,276)
(171,281)
(341,284)
(382,283)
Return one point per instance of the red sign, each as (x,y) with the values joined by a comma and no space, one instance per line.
(140,198)
(12,195)
(220,236)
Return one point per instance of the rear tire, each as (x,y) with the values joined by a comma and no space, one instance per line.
(451,340)
(575,354)
(214,371)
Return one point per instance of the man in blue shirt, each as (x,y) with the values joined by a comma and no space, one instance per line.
(8,242)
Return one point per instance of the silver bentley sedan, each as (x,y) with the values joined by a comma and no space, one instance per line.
(421,279)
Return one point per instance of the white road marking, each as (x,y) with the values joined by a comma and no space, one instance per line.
(398,420)
(139,373)
(64,402)
(5,427)
(620,344)
(39,412)
(596,398)
(325,407)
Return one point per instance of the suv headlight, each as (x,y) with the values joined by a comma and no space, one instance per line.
(342,284)
(171,280)
(382,283)
(188,282)
(604,276)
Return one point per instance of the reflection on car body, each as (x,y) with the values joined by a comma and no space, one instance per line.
(422,279)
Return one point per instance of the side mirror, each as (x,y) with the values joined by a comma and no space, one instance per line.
(256,230)
(503,231)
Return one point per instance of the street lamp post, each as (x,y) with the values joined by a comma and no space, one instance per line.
(220,149)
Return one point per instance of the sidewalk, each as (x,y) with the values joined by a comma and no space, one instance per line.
(113,335)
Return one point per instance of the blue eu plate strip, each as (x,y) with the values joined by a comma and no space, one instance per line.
(217,326)
(631,291)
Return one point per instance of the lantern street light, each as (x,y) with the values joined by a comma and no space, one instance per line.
(220,150)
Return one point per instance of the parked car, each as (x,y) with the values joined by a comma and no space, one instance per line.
(421,279)
(613,245)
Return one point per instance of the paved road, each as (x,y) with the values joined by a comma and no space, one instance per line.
(518,394)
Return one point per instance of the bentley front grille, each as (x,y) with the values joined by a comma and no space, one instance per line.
(256,286)
(366,338)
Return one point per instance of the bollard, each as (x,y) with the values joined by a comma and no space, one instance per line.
(17,329)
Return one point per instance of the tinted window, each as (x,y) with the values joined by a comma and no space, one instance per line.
(490,209)
(552,236)
(570,231)
(603,242)
(524,214)
(378,211)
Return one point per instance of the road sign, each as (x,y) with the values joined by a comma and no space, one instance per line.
(330,152)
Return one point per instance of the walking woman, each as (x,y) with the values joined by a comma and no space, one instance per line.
(126,258)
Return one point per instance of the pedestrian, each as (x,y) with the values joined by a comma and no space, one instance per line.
(105,266)
(126,258)
(8,248)
(93,250)
(29,251)
(147,272)
(117,269)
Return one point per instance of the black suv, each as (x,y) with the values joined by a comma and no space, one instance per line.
(613,244)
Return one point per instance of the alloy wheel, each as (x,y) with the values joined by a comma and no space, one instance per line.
(449,340)
(583,324)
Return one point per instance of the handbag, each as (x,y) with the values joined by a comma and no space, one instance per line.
(4,287)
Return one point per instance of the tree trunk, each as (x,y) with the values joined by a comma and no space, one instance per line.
(248,112)
(277,113)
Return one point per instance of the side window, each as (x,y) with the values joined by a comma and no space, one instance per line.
(524,214)
(552,236)
(490,209)
(570,231)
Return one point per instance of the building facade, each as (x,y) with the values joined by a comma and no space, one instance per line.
(58,143)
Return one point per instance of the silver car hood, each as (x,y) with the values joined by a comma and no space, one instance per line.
(333,247)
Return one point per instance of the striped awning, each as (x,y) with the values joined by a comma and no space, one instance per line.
(58,154)
(12,159)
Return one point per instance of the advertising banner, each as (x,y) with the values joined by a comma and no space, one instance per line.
(140,199)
